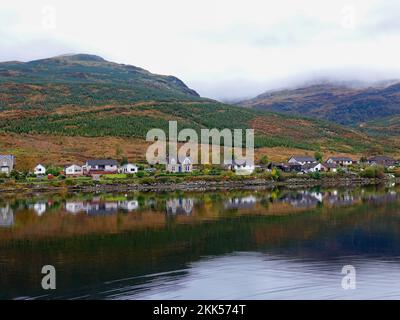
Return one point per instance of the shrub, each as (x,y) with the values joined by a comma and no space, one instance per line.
(316,175)
(140,174)
(275,174)
(373,172)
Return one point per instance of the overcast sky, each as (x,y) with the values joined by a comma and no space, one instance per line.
(224,49)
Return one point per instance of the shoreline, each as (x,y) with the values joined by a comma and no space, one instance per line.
(199,185)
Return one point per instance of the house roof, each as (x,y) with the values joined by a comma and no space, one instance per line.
(303,158)
(102,162)
(309,165)
(381,158)
(7,157)
(128,164)
(330,165)
(187,160)
(340,158)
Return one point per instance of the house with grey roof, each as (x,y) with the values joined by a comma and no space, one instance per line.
(175,166)
(7,163)
(312,167)
(100,166)
(302,160)
(382,161)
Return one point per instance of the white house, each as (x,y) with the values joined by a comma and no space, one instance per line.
(128,168)
(175,166)
(73,170)
(312,167)
(244,169)
(7,163)
(342,161)
(302,160)
(39,170)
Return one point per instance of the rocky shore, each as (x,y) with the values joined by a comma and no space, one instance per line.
(200,185)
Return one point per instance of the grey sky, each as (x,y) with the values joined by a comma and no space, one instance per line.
(224,49)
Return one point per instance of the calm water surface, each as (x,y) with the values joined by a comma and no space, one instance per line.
(275,244)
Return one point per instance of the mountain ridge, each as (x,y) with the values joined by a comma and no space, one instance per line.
(85,96)
(333,102)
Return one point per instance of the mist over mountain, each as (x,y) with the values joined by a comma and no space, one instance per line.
(347,103)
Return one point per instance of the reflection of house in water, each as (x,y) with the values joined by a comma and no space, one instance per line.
(98,207)
(179,206)
(335,198)
(91,208)
(101,208)
(75,206)
(6,216)
(303,199)
(390,196)
(240,203)
(40,208)
(129,205)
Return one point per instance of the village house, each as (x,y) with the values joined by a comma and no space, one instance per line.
(330,166)
(100,166)
(128,168)
(73,170)
(382,161)
(340,161)
(7,163)
(39,170)
(312,167)
(244,168)
(240,168)
(176,166)
(285,167)
(302,160)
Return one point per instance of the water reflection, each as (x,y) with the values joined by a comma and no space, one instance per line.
(185,205)
(179,206)
(278,244)
(6,216)
(240,203)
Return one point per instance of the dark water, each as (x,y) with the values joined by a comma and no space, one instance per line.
(277,244)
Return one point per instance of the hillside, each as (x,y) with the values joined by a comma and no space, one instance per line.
(341,103)
(57,108)
(83,80)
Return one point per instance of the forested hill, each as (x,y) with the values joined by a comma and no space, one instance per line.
(342,103)
(83,80)
(86,96)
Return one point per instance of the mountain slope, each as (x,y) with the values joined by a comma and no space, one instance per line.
(84,96)
(344,104)
(83,80)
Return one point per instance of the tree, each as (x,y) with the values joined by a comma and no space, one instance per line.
(264,160)
(318,156)
(26,163)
